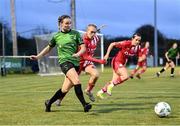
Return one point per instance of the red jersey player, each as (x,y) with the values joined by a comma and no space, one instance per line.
(142,62)
(90,40)
(120,73)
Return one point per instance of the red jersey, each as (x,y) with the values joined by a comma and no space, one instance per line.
(91,45)
(87,58)
(126,50)
(144,51)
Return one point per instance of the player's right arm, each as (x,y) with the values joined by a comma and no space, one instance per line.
(45,51)
(116,44)
(109,50)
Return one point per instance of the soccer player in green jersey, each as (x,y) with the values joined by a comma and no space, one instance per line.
(171,55)
(68,42)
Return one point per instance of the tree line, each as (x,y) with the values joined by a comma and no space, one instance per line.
(27,46)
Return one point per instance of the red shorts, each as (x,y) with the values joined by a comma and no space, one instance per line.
(142,64)
(115,65)
(84,64)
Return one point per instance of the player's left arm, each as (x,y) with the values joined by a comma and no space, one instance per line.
(81,51)
(90,58)
(81,44)
(178,56)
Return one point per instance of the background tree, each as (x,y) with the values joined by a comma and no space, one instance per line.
(147,33)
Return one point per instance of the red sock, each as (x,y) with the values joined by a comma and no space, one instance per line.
(142,71)
(89,87)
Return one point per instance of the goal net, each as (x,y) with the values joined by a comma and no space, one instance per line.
(48,65)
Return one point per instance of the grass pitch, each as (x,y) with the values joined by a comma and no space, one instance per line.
(132,103)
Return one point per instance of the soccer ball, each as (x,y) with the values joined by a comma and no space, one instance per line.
(162,109)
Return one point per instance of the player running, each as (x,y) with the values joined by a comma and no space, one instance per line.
(67,42)
(120,73)
(90,40)
(142,62)
(171,55)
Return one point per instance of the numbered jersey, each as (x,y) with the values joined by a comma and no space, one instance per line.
(91,45)
(126,50)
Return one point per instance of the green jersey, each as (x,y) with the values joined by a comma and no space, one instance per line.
(172,53)
(67,44)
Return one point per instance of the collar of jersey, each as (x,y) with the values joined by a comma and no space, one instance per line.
(66,32)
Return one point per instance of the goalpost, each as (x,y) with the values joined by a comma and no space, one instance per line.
(48,65)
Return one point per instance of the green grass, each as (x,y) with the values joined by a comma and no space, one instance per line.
(132,103)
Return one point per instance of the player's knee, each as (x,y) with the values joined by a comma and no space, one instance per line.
(75,80)
(64,90)
(95,75)
(144,69)
(124,76)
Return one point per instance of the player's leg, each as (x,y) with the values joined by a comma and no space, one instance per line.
(123,76)
(143,69)
(74,78)
(163,69)
(67,85)
(134,71)
(94,75)
(59,94)
(172,65)
(119,77)
(104,89)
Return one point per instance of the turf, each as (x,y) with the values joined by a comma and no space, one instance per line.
(132,103)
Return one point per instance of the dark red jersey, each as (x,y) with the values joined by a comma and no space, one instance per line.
(144,51)
(91,45)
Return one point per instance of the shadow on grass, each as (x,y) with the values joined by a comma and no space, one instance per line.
(107,108)
(127,104)
(66,110)
(147,97)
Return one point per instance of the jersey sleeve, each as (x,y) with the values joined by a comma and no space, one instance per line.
(97,38)
(123,44)
(170,50)
(79,39)
(52,42)
(84,40)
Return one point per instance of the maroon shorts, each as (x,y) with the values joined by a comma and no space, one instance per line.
(84,64)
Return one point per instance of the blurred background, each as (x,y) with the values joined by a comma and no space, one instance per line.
(26,23)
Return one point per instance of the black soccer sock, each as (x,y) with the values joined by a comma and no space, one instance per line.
(162,70)
(172,70)
(79,94)
(58,95)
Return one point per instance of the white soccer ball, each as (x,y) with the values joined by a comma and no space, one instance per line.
(162,109)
